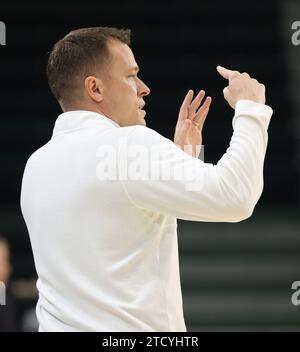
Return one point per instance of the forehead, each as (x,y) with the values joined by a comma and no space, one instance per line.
(122,55)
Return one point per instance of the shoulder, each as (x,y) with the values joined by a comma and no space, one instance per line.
(144,135)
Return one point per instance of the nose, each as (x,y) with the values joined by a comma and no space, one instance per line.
(143,89)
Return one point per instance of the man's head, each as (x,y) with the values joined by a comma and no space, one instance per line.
(95,69)
(5,266)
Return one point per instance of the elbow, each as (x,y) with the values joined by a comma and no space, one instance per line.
(243,212)
(244,206)
(237,211)
(242,197)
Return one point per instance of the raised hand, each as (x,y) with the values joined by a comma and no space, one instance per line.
(188,131)
(241,86)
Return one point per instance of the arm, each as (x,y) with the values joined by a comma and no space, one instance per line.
(227,191)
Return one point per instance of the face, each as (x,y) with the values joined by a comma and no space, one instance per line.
(5,267)
(122,90)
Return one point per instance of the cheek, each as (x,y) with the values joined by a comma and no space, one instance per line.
(131,84)
(132,94)
(124,95)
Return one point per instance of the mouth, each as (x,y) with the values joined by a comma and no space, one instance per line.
(141,107)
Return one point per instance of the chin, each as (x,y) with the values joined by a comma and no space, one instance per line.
(137,120)
(142,118)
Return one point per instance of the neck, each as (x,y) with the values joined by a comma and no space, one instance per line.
(87,107)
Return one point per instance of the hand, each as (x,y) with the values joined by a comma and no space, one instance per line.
(241,86)
(188,131)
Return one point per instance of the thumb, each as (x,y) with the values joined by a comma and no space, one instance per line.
(224,72)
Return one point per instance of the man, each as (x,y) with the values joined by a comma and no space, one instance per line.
(8,314)
(101,217)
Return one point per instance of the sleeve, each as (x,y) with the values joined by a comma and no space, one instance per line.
(158,176)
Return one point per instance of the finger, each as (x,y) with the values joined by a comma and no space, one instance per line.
(183,112)
(227,97)
(246,74)
(226,93)
(203,112)
(195,104)
(225,72)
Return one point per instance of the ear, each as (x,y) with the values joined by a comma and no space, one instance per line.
(93,87)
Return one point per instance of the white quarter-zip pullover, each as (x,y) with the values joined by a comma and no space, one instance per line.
(104,238)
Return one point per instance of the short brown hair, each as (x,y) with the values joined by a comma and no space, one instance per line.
(77,55)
